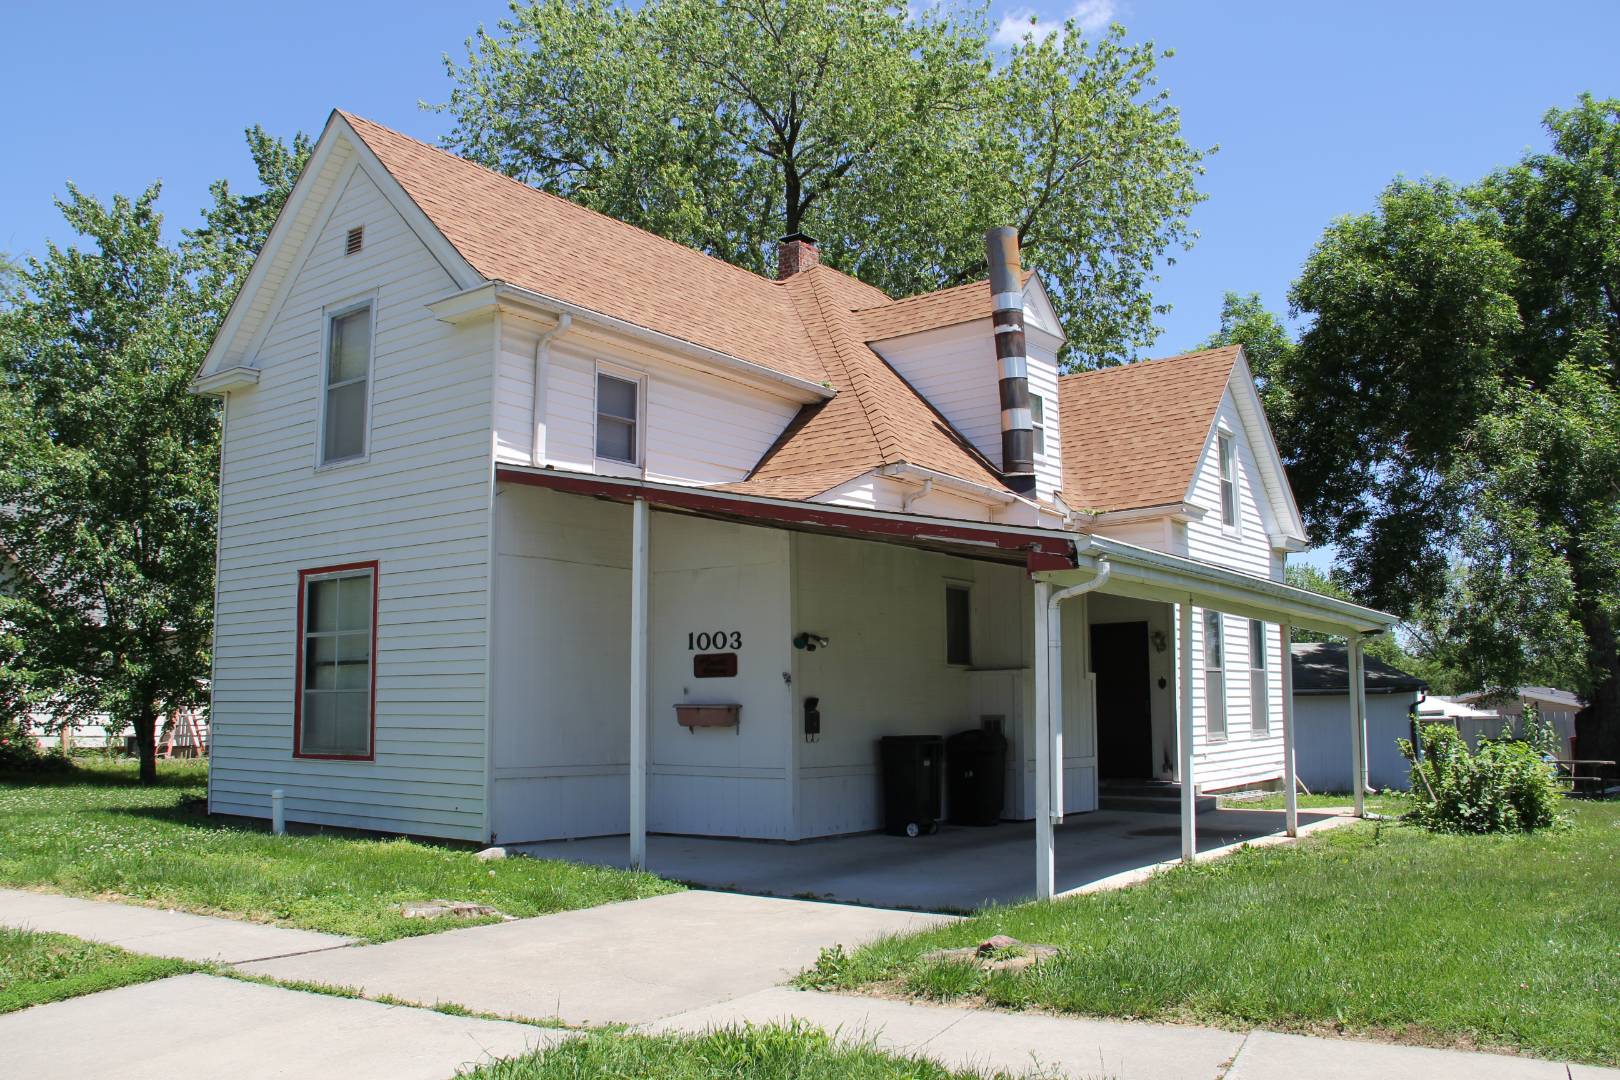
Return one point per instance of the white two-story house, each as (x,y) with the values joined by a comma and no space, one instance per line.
(507,487)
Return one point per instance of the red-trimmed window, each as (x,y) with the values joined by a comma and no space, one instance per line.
(335,708)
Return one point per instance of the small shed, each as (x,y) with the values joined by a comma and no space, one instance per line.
(1322,717)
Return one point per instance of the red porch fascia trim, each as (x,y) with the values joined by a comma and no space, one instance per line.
(1040,553)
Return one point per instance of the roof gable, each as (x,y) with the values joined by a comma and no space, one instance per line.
(1133,435)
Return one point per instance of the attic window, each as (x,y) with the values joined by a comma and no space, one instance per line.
(1228,481)
(357,237)
(1037,416)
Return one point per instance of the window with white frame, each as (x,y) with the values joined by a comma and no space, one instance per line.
(337,637)
(1228,481)
(1214,677)
(1259,687)
(348,375)
(1037,414)
(618,427)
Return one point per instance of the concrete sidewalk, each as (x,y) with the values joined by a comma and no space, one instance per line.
(199,938)
(617,963)
(1120,1050)
(201,1027)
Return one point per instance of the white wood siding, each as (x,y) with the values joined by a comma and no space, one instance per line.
(955,369)
(1247,547)
(698,428)
(419,504)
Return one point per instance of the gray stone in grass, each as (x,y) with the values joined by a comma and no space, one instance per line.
(491,853)
(999,953)
(436,909)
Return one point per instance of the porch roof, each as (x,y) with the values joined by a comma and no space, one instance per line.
(1056,556)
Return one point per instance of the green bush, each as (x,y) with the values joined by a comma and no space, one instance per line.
(1506,786)
(20,752)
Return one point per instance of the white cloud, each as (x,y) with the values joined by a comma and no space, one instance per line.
(1090,16)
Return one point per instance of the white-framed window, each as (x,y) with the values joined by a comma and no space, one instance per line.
(1229,503)
(958,625)
(335,705)
(618,417)
(346,384)
(1037,415)
(1259,686)
(1214,677)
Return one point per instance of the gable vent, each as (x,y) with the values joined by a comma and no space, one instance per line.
(357,237)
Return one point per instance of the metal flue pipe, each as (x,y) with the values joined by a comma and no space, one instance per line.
(1007,304)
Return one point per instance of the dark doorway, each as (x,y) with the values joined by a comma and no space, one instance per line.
(1119,656)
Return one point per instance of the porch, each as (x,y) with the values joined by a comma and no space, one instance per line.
(959,868)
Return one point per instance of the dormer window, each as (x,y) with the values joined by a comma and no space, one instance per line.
(1228,482)
(1037,415)
(618,407)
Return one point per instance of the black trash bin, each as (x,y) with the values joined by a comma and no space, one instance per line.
(975,776)
(913,772)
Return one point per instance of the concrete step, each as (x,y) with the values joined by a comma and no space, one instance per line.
(1149,797)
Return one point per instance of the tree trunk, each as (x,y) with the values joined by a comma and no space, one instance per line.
(1597,727)
(145,724)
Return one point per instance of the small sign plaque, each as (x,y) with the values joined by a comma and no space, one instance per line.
(721,665)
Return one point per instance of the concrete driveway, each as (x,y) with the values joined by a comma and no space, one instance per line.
(618,963)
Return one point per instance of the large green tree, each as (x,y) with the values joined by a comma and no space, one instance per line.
(1453,386)
(893,136)
(108,462)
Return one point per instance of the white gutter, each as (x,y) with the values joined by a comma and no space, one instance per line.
(923,492)
(476,301)
(966,488)
(542,364)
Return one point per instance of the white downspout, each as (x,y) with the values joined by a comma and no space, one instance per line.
(1049,723)
(537,405)
(923,492)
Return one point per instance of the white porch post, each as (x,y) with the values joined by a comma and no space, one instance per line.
(1358,722)
(638,684)
(1184,722)
(1290,779)
(1045,856)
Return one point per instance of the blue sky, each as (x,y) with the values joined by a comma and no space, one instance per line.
(1315,106)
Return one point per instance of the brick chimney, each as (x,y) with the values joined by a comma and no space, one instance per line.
(795,252)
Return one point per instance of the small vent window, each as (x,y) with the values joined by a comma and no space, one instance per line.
(357,238)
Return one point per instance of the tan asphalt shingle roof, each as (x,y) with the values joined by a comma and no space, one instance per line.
(1132,435)
(803,327)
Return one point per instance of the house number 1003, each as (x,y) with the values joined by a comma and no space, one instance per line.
(703,640)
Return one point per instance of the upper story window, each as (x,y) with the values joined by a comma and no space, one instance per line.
(618,424)
(959,625)
(1037,414)
(1259,688)
(337,639)
(347,390)
(1214,677)
(1228,481)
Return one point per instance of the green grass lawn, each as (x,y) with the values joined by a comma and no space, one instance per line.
(1500,941)
(39,968)
(755,1053)
(94,832)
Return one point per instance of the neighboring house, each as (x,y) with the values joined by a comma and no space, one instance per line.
(500,473)
(1321,701)
(1556,707)
(1471,722)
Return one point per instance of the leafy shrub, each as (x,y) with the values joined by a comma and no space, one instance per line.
(1506,786)
(20,752)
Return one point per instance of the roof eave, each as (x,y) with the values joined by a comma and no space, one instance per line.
(480,300)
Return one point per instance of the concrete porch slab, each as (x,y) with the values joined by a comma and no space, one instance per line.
(175,934)
(201,1027)
(628,962)
(957,869)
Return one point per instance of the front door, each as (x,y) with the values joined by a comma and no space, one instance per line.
(1119,657)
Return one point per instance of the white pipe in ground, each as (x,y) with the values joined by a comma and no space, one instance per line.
(278,812)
